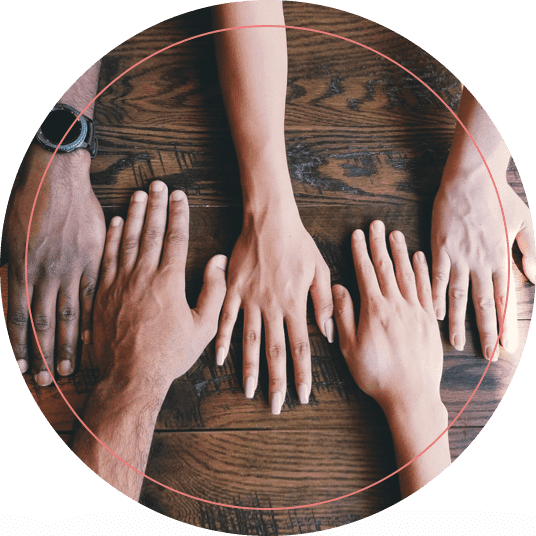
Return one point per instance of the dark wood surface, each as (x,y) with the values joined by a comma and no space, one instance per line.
(364,141)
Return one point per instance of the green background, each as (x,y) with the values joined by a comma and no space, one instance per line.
(46,47)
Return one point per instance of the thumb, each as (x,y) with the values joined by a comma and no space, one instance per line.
(345,319)
(212,294)
(525,241)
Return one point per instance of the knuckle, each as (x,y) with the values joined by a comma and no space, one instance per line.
(19,318)
(441,278)
(68,314)
(301,350)
(458,294)
(152,233)
(177,238)
(251,337)
(42,322)
(276,351)
(485,303)
(89,289)
(20,350)
(250,369)
(226,319)
(384,263)
(277,384)
(129,244)
(67,350)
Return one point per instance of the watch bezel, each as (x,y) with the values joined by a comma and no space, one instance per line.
(79,142)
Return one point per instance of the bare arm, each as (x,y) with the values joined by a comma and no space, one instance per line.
(145,333)
(395,353)
(468,235)
(275,262)
(64,250)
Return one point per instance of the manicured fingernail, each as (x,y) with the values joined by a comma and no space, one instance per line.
(221,262)
(139,196)
(398,237)
(303,393)
(488,354)
(328,329)
(43,378)
(116,220)
(23,365)
(458,342)
(359,234)
(439,313)
(86,336)
(65,367)
(377,225)
(177,195)
(277,402)
(221,354)
(420,256)
(249,387)
(157,186)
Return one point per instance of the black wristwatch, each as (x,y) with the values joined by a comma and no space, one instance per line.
(81,136)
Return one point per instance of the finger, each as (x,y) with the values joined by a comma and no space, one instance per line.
(458,289)
(440,281)
(403,270)
(422,280)
(277,362)
(67,324)
(509,333)
(322,300)
(486,317)
(132,231)
(17,318)
(525,241)
(88,289)
(229,312)
(44,320)
(381,260)
(176,241)
(345,319)
(298,337)
(152,236)
(211,297)
(110,257)
(251,344)
(364,270)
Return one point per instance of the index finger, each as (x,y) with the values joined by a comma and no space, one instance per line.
(364,270)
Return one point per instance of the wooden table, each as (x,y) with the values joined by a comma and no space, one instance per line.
(365,140)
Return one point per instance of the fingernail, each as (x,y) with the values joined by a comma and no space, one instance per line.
(377,225)
(221,354)
(86,336)
(420,256)
(359,234)
(277,402)
(116,220)
(43,378)
(328,329)
(250,386)
(398,237)
(157,186)
(303,393)
(65,367)
(221,262)
(177,195)
(488,354)
(458,342)
(23,365)
(439,313)
(139,196)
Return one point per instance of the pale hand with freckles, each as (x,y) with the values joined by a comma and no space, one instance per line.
(395,353)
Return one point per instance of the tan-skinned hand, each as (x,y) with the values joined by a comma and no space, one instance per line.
(154,333)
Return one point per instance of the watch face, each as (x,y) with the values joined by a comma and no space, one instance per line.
(57,123)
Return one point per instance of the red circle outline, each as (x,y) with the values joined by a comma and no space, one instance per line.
(501,322)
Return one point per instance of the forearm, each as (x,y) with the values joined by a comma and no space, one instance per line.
(252,65)
(123,418)
(464,159)
(412,432)
(83,91)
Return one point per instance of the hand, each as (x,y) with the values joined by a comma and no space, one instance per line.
(469,243)
(144,328)
(395,355)
(274,264)
(64,254)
